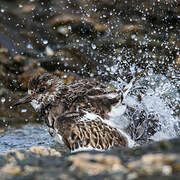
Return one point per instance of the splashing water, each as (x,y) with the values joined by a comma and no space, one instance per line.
(151,112)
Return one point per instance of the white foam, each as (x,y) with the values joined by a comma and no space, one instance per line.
(117,111)
(165,118)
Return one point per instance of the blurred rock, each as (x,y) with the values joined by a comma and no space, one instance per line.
(43,151)
(76,20)
(130,28)
(94,32)
(11,169)
(178,60)
(155,164)
(146,162)
(96,163)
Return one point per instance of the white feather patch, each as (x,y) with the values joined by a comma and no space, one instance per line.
(90,116)
(35,104)
(89,148)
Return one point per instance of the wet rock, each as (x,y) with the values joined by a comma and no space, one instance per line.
(178,60)
(1,131)
(96,164)
(11,170)
(151,162)
(77,22)
(19,58)
(130,28)
(44,151)
(14,155)
(154,164)
(27,8)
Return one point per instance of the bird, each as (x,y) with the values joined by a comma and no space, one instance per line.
(78,114)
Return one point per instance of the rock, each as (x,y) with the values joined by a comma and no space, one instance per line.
(96,163)
(178,60)
(82,22)
(11,169)
(19,58)
(14,155)
(151,162)
(154,163)
(130,28)
(44,151)
(28,8)
(158,159)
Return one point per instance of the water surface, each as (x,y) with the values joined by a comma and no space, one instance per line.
(24,137)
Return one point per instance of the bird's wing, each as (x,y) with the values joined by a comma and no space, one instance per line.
(77,132)
(83,88)
(103,104)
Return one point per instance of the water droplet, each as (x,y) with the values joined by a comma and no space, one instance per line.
(63,30)
(3,100)
(49,51)
(20,5)
(119,58)
(93,46)
(26,120)
(2,10)
(23,110)
(29,46)
(45,41)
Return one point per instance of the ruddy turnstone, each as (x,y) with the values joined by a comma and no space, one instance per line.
(77,114)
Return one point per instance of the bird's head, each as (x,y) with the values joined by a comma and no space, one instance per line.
(42,90)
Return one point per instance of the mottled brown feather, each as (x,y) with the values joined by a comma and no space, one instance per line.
(62,107)
(83,134)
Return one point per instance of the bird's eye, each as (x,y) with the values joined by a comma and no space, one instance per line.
(41,90)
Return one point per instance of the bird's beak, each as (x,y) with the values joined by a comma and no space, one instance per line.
(23,100)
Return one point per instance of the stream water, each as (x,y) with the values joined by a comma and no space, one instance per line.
(24,137)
